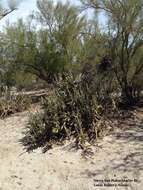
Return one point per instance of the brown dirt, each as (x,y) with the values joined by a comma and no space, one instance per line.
(118,156)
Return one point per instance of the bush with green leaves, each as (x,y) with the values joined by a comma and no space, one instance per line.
(12,104)
(71,112)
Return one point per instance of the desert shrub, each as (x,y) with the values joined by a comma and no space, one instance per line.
(72,111)
(12,104)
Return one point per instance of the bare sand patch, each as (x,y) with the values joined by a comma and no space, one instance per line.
(120,156)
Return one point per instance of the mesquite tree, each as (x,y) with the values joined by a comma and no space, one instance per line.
(125,38)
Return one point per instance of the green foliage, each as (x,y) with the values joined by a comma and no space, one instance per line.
(14,54)
(67,41)
(10,104)
(124,41)
(49,51)
(72,111)
(106,66)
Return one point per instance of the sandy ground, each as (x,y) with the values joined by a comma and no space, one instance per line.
(119,156)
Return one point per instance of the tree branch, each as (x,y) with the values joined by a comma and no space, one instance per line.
(6,13)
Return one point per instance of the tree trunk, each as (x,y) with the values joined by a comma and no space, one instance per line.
(128,97)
